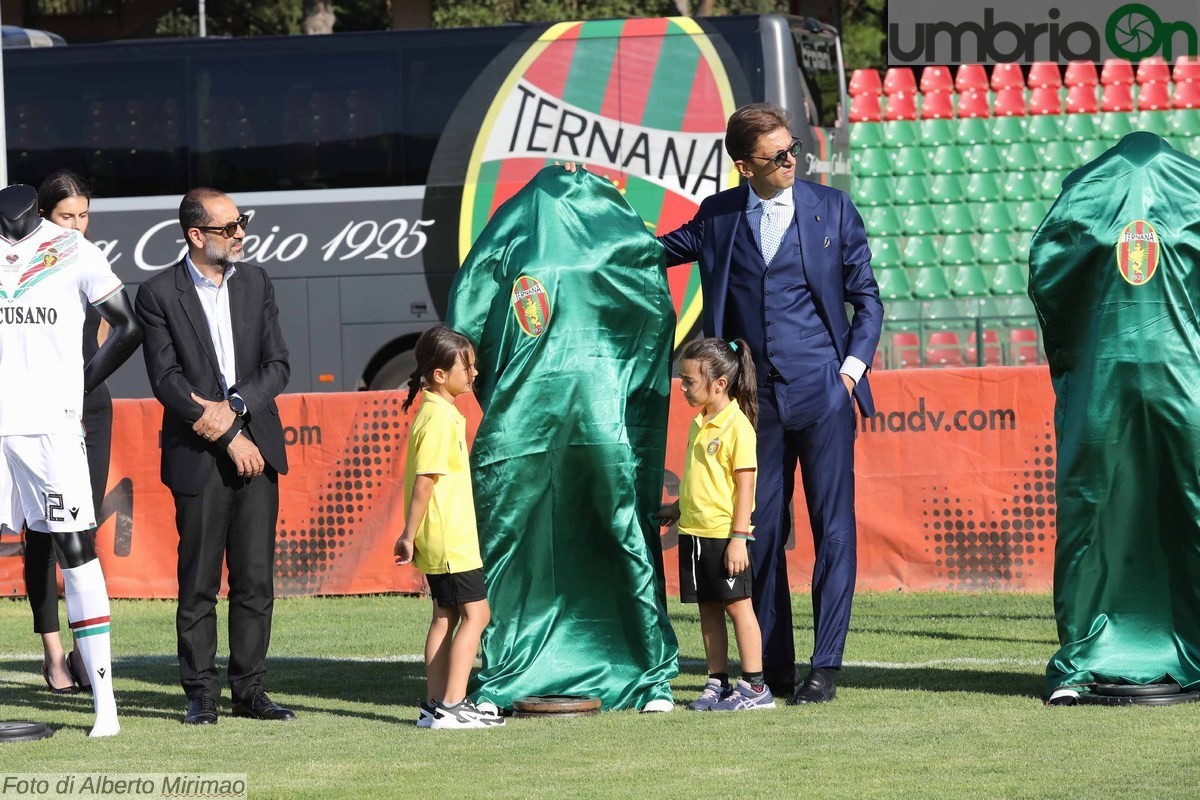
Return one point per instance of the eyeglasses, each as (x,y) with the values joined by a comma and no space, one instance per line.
(229,230)
(780,159)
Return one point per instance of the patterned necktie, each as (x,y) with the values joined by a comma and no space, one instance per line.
(768,231)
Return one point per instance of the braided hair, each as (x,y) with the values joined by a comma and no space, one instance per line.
(438,348)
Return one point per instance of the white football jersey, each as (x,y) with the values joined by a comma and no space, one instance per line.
(45,281)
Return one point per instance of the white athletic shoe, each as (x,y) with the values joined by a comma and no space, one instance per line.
(658,706)
(425,714)
(488,707)
(463,715)
(1063,697)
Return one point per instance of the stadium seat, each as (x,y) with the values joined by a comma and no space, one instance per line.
(1024,239)
(1007,76)
(1018,310)
(1184,123)
(992,351)
(937,132)
(893,284)
(873,191)
(1187,95)
(1006,130)
(1044,75)
(1023,344)
(945,189)
(958,249)
(906,350)
(969,281)
(1020,186)
(1044,101)
(943,313)
(901,133)
(1081,73)
(1187,69)
(1021,156)
(1153,70)
(1059,155)
(1009,279)
(1009,103)
(937,105)
(982,187)
(919,252)
(900,106)
(865,81)
(881,221)
(948,160)
(1043,128)
(1117,97)
(866,134)
(919,221)
(974,104)
(1079,128)
(1082,100)
(1154,121)
(871,162)
(1154,97)
(1091,150)
(1051,180)
(885,250)
(984,158)
(993,217)
(943,349)
(931,283)
(994,248)
(974,130)
(971,77)
(1115,126)
(866,108)
(1116,72)
(1030,213)
(1193,147)
(902,315)
(899,80)
(909,161)
(957,218)
(936,79)
(908,190)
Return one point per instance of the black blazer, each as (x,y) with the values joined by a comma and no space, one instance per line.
(181,359)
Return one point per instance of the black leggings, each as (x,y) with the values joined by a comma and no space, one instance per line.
(75,550)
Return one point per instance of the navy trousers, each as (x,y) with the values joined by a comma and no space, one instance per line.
(809,422)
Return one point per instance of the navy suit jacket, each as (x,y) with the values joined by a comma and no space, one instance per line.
(837,273)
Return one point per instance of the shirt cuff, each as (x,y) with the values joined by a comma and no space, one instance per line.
(853,367)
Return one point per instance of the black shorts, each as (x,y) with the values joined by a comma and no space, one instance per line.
(702,575)
(453,589)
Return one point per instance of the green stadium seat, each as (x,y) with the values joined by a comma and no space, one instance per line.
(1006,130)
(909,161)
(1022,249)
(901,133)
(982,187)
(1091,150)
(943,314)
(872,191)
(1114,125)
(885,252)
(995,248)
(957,218)
(973,131)
(1029,214)
(866,134)
(1193,147)
(948,160)
(1010,279)
(893,284)
(1021,156)
(1044,128)
(902,315)
(882,221)
(872,162)
(1184,123)
(969,281)
(1019,311)
(984,158)
(931,284)
(1154,121)
(910,190)
(985,307)
(1080,128)
(1050,183)
(919,252)
(958,249)
(937,132)
(945,189)
(919,220)
(993,218)
(1020,186)
(1059,155)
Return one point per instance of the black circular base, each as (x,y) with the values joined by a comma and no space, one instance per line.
(556,705)
(24,731)
(1159,700)
(1136,690)
(554,714)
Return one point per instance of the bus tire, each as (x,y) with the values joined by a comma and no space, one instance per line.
(394,373)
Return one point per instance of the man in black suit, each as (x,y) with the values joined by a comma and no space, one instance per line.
(216,360)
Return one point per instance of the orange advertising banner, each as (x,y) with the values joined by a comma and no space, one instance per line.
(955,490)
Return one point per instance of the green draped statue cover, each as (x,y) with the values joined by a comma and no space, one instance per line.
(565,295)
(1115,276)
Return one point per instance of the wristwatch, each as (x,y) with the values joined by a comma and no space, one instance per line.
(238,405)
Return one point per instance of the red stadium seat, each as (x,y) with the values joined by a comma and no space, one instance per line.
(1116,72)
(1081,73)
(1045,75)
(1009,103)
(943,349)
(1153,70)
(992,357)
(1186,69)
(906,350)
(937,105)
(1117,97)
(974,103)
(902,105)
(1187,94)
(971,77)
(1081,99)
(865,108)
(1023,343)
(936,79)
(1154,97)
(899,79)
(1044,101)
(865,81)
(1007,76)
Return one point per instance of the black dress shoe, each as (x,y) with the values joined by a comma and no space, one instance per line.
(819,687)
(259,706)
(782,680)
(202,710)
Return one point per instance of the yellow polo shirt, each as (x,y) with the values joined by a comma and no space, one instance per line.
(716,449)
(447,539)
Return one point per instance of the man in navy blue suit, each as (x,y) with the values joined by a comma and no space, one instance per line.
(779,260)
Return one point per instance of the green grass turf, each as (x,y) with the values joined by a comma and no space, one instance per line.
(939,699)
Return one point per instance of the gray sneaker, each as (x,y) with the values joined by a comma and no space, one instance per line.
(714,690)
(743,698)
(463,714)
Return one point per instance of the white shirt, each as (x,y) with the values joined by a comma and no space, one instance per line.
(46,280)
(214,300)
(783,212)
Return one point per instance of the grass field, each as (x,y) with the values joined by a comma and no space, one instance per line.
(939,699)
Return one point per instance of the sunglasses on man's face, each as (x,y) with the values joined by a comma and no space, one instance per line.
(780,159)
(229,230)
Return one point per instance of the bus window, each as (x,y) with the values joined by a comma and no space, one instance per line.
(819,61)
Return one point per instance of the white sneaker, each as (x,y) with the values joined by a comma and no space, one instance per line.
(658,706)
(488,707)
(463,715)
(425,714)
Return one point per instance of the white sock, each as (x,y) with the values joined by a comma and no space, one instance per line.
(87,611)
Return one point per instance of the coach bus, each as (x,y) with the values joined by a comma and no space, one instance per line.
(369,162)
